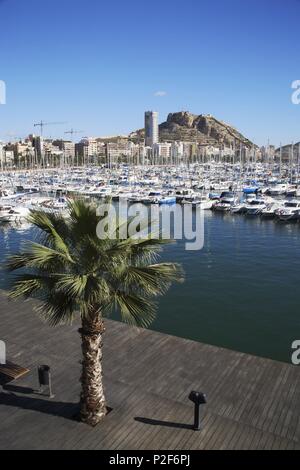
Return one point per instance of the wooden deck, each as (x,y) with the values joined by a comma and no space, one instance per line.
(253,403)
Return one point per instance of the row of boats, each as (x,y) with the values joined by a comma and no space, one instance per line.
(265,206)
(17,209)
(252,190)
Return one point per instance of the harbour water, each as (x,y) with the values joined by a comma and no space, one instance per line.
(241,289)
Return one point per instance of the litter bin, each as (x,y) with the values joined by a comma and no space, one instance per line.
(44,376)
(44,372)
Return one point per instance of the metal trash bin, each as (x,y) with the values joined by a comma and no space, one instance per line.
(44,376)
(43,372)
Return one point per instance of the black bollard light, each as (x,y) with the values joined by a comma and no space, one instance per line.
(198,398)
(44,375)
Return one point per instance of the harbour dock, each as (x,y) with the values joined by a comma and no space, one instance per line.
(252,402)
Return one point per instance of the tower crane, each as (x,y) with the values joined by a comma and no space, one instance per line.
(72,132)
(41,125)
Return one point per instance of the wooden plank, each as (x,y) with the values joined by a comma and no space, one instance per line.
(252,402)
(13,371)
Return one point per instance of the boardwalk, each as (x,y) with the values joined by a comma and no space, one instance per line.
(252,402)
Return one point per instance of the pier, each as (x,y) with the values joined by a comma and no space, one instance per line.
(252,402)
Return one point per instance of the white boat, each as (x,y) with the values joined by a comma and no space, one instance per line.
(238,208)
(270,210)
(56,204)
(203,202)
(95,191)
(13,213)
(255,207)
(60,203)
(184,195)
(226,201)
(223,205)
(4,212)
(278,189)
(289,211)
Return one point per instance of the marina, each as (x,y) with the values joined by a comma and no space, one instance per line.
(149,230)
(257,189)
(241,286)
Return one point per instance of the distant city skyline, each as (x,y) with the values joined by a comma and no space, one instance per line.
(235,60)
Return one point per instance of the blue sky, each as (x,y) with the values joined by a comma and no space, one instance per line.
(97,65)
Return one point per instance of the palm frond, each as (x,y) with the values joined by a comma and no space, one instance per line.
(37,256)
(72,284)
(26,285)
(135,309)
(54,227)
(83,218)
(147,251)
(56,308)
(151,280)
(71,269)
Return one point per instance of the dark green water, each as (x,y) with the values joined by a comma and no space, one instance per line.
(241,291)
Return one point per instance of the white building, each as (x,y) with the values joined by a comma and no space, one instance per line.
(91,146)
(8,157)
(1,155)
(176,150)
(151,128)
(87,147)
(162,150)
(69,149)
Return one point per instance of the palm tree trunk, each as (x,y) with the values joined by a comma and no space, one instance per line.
(92,399)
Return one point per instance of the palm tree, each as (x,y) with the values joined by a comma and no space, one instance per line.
(72,271)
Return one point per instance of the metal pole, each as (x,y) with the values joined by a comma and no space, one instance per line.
(50,387)
(196,417)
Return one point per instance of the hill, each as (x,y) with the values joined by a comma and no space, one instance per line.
(204,129)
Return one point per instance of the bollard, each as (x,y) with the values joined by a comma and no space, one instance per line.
(198,398)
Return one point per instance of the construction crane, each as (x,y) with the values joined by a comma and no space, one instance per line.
(41,125)
(72,132)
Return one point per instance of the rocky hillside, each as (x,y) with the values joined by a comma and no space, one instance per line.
(204,129)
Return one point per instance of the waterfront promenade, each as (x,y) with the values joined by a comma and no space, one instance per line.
(253,403)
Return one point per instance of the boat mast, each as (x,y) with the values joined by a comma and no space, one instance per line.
(280,160)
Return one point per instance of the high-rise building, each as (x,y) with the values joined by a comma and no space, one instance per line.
(87,147)
(162,150)
(39,146)
(67,147)
(151,128)
(1,154)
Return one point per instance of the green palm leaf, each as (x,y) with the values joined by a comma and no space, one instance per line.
(71,269)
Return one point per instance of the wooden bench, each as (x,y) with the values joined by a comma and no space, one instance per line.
(12,371)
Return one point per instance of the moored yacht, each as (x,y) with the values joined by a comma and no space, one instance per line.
(238,208)
(202,202)
(278,189)
(255,207)
(270,210)
(13,213)
(226,201)
(290,211)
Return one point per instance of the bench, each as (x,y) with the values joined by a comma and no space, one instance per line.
(12,371)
